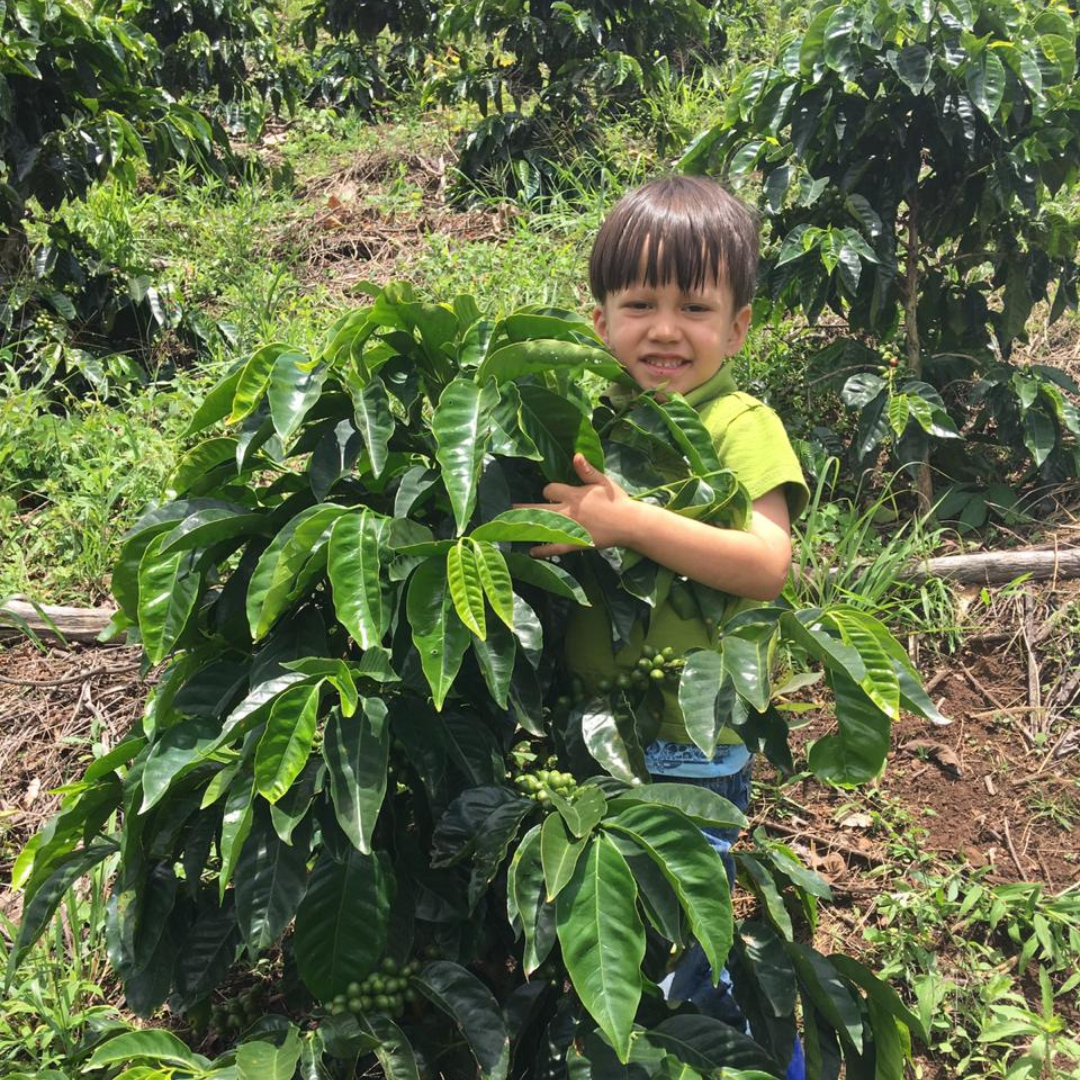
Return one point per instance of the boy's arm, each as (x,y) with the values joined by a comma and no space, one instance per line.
(753,563)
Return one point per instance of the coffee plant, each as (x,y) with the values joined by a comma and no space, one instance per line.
(364,747)
(224,54)
(78,103)
(910,157)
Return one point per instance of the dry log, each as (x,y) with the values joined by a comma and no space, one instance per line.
(994,567)
(76,624)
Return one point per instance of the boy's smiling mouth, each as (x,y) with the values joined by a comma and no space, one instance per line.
(665,363)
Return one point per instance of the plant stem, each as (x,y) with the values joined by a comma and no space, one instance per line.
(924,483)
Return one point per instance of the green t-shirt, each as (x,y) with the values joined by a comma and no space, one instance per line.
(750,441)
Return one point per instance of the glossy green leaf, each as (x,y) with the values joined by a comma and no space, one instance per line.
(537,357)
(547,576)
(341,922)
(603,940)
(357,752)
(985,78)
(559,429)
(606,743)
(215,406)
(687,431)
(711,1045)
(466,590)
(395,1054)
(208,527)
(878,991)
(294,388)
(479,826)
(496,656)
(765,956)
(856,753)
(760,881)
(460,425)
(699,685)
(703,807)
(254,379)
(44,893)
(197,462)
(375,422)
(439,635)
(807,629)
(831,997)
(176,752)
(582,811)
(263,1060)
(470,1004)
(867,636)
(169,585)
(270,881)
(525,903)
(495,577)
(748,657)
(236,822)
(534,525)
(286,743)
(162,1046)
(272,585)
(559,854)
(693,869)
(355,568)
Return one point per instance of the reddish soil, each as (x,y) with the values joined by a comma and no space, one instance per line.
(998,789)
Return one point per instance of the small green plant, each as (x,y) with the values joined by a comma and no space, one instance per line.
(1048,1042)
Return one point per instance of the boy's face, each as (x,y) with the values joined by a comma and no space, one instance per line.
(671,339)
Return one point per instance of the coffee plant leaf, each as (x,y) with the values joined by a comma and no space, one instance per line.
(559,854)
(709,1044)
(855,754)
(699,684)
(341,921)
(603,940)
(463,997)
(285,745)
(690,864)
(533,525)
(375,422)
(703,807)
(357,752)
(542,357)
(438,633)
(526,906)
(354,560)
(461,426)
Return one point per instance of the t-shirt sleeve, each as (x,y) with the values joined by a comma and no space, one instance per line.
(752,442)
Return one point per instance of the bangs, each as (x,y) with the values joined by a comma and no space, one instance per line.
(681,229)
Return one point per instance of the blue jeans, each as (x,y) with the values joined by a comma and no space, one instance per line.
(691,979)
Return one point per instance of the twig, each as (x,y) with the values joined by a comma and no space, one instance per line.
(855,853)
(970,676)
(66,680)
(1012,850)
(1033,678)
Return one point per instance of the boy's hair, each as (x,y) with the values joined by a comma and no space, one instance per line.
(689,229)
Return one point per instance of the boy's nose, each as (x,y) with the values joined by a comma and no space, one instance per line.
(663,328)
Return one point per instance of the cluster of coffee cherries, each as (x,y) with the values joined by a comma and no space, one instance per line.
(538,778)
(654,668)
(232,1017)
(385,990)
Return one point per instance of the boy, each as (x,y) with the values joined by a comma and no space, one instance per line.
(672,271)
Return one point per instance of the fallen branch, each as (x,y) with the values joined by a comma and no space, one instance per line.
(994,567)
(75,624)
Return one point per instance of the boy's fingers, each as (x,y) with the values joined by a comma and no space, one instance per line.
(587,473)
(545,551)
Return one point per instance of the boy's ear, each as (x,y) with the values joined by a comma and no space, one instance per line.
(599,321)
(740,327)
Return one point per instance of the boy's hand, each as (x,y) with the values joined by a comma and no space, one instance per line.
(599,505)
